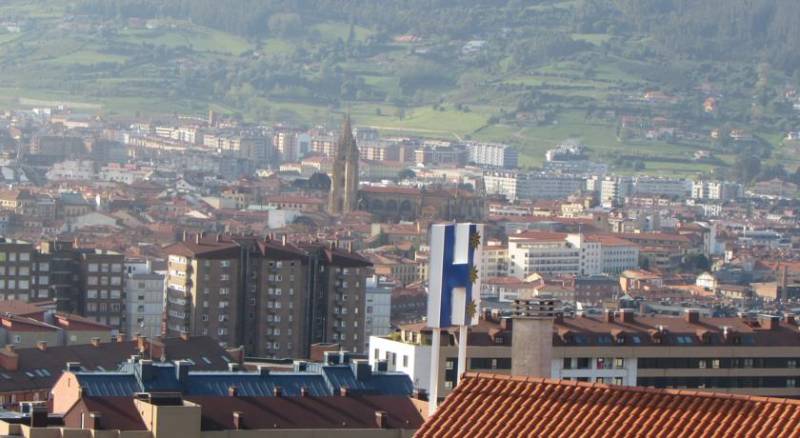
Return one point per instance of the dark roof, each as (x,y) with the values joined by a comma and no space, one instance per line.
(38,369)
(331,412)
(309,412)
(117,413)
(318,380)
(504,406)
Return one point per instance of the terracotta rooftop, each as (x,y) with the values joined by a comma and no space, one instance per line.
(486,405)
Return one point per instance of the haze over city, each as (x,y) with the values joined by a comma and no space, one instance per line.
(417,218)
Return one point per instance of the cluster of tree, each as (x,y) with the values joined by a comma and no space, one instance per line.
(707,29)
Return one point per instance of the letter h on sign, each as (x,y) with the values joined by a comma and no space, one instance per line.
(454,282)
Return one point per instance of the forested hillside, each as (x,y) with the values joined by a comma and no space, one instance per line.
(623,75)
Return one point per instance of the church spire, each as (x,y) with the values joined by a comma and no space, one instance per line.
(344,180)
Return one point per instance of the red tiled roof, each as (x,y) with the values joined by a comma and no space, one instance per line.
(485,405)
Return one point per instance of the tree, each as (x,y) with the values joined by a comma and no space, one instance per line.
(746,168)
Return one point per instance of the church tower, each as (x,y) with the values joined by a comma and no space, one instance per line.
(344,180)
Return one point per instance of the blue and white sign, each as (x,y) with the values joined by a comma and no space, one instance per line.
(454,290)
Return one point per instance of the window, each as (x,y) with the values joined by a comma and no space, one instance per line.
(224,291)
(567,363)
(91,293)
(791,383)
(618,381)
(12,257)
(619,363)
(791,363)
(584,363)
(714,363)
(225,263)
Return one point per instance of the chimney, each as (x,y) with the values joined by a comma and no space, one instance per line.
(692,316)
(233,391)
(142,344)
(73,366)
(234,367)
(184,236)
(283,240)
(343,391)
(559,318)
(380,419)
(146,369)
(789,318)
(121,337)
(277,391)
(182,368)
(362,369)
(38,415)
(420,394)
(303,392)
(93,421)
(42,345)
(9,359)
(626,316)
(238,420)
(609,315)
(770,322)
(157,349)
(219,237)
(263,370)
(184,335)
(532,338)
(95,342)
(197,238)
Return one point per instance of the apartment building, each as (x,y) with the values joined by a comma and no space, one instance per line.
(655,186)
(530,185)
(81,281)
(550,253)
(273,297)
(144,302)
(102,279)
(737,355)
(493,155)
(716,190)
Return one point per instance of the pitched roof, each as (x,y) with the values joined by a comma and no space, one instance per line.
(39,369)
(331,412)
(498,406)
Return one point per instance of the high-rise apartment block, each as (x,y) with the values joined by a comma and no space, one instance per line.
(272,297)
(82,281)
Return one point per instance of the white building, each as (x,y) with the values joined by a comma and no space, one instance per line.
(527,185)
(493,154)
(548,253)
(495,260)
(377,320)
(72,170)
(144,294)
(716,190)
(654,186)
(126,174)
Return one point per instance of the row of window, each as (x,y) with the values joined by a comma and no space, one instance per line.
(14,256)
(720,382)
(586,363)
(700,363)
(104,267)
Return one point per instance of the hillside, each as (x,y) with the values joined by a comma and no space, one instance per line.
(631,78)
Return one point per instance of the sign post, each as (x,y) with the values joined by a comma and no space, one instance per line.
(454,290)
